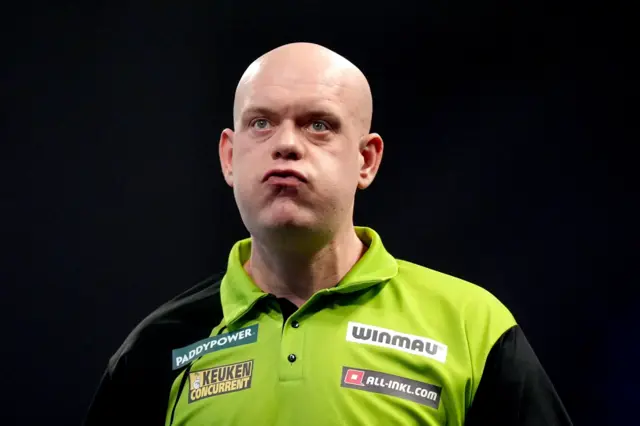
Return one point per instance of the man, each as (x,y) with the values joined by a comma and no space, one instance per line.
(314,322)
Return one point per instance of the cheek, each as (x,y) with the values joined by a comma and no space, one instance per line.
(243,187)
(245,167)
(343,170)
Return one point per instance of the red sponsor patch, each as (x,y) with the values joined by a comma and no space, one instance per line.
(354,377)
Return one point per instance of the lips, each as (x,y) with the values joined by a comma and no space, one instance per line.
(284,174)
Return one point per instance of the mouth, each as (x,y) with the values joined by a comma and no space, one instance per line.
(284,177)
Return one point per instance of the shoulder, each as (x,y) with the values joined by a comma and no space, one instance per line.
(445,286)
(468,302)
(466,310)
(143,361)
(172,324)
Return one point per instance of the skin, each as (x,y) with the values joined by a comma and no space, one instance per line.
(305,108)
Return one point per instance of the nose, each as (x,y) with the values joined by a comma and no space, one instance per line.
(287,145)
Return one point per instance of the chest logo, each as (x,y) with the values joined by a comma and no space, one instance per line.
(220,380)
(388,384)
(181,357)
(385,338)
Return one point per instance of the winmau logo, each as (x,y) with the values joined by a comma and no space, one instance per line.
(377,336)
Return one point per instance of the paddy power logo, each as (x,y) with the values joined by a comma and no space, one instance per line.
(183,356)
(220,380)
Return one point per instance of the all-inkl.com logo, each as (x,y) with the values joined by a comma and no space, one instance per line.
(390,384)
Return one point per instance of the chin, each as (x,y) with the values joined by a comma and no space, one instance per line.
(284,221)
(287,215)
(288,222)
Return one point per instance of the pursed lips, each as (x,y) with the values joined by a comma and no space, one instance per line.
(284,176)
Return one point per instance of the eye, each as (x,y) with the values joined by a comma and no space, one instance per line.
(260,124)
(319,126)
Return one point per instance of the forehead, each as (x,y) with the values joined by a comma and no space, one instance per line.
(298,90)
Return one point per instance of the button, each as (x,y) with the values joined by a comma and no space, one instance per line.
(295,324)
(292,358)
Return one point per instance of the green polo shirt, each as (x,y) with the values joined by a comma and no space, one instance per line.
(392,343)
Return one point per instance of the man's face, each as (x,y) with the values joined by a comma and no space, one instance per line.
(295,157)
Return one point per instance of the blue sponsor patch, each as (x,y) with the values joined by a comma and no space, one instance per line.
(183,356)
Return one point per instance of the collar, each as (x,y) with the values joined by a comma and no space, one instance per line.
(239,293)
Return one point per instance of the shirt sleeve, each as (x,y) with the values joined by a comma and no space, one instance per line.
(105,407)
(126,398)
(113,402)
(514,389)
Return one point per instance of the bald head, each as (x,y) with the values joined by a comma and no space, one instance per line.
(302,114)
(306,66)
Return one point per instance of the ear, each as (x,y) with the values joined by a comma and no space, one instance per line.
(225,151)
(371,150)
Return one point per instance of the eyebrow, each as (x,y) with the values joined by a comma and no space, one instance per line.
(258,110)
(313,112)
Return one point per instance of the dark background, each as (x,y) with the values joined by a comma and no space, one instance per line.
(497,118)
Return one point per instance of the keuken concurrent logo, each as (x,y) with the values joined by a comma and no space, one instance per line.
(220,380)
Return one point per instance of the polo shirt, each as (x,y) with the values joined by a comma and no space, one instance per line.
(392,343)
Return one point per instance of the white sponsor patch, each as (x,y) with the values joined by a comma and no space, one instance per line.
(383,337)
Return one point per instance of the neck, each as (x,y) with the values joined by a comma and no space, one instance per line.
(294,273)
